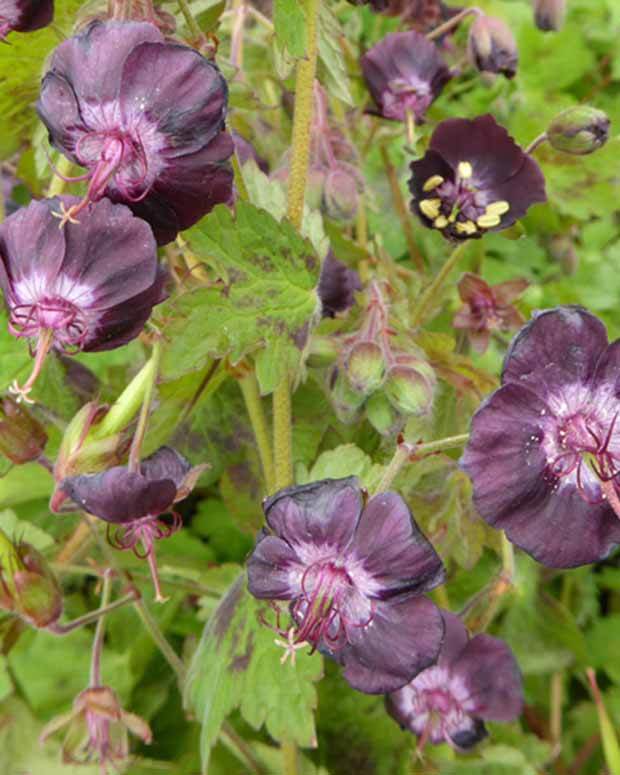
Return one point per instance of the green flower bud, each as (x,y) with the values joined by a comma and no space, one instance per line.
(579,130)
(365,367)
(410,386)
(382,415)
(28,588)
(22,438)
(346,401)
(549,15)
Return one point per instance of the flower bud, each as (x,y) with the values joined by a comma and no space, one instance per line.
(341,193)
(382,415)
(492,46)
(410,386)
(27,586)
(549,14)
(579,130)
(365,367)
(315,186)
(346,401)
(22,438)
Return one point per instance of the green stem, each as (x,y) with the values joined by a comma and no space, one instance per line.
(189,19)
(138,438)
(542,138)
(611,747)
(95,666)
(431,292)
(161,642)
(254,406)
(290,758)
(92,616)
(241,749)
(406,451)
(451,23)
(300,157)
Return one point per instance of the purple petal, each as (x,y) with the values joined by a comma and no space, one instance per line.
(490,672)
(274,570)
(525,188)
(337,286)
(323,513)
(59,110)
(556,349)
(403,638)
(31,14)
(393,550)
(455,639)
(178,89)
(166,463)
(119,495)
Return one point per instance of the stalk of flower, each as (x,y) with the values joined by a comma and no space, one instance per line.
(85,288)
(146,118)
(473,681)
(98,727)
(354,574)
(473,178)
(25,15)
(543,453)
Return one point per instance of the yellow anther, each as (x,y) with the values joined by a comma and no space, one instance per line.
(488,221)
(497,208)
(430,207)
(465,170)
(440,222)
(432,182)
(466,227)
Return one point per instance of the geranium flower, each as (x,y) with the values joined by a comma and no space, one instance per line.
(337,286)
(135,500)
(354,574)
(97,729)
(487,308)
(544,449)
(473,178)
(404,73)
(146,118)
(24,15)
(492,47)
(473,681)
(88,287)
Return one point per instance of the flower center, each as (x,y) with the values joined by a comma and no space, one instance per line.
(52,313)
(458,206)
(404,97)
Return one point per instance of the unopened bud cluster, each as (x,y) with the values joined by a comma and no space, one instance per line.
(375,376)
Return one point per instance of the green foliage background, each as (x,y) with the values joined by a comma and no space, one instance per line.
(558,623)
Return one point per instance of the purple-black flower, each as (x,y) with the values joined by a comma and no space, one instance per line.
(133,501)
(405,73)
(337,286)
(88,287)
(145,116)
(354,574)
(473,178)
(544,449)
(475,680)
(24,15)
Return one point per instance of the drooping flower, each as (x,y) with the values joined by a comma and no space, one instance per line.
(24,15)
(475,680)
(473,178)
(133,501)
(492,47)
(487,308)
(88,287)
(97,729)
(404,73)
(145,117)
(549,15)
(544,449)
(354,574)
(337,286)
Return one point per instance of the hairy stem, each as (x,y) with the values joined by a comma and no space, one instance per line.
(95,666)
(161,642)
(254,406)
(431,292)
(290,758)
(138,438)
(189,19)
(93,616)
(542,138)
(451,23)
(402,211)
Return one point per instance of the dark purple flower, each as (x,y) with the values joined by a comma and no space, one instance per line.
(354,574)
(404,73)
(473,681)
(24,15)
(337,286)
(544,449)
(473,178)
(88,287)
(146,118)
(134,500)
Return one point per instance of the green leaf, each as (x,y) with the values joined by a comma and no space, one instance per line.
(237,664)
(346,460)
(331,58)
(290,24)
(266,296)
